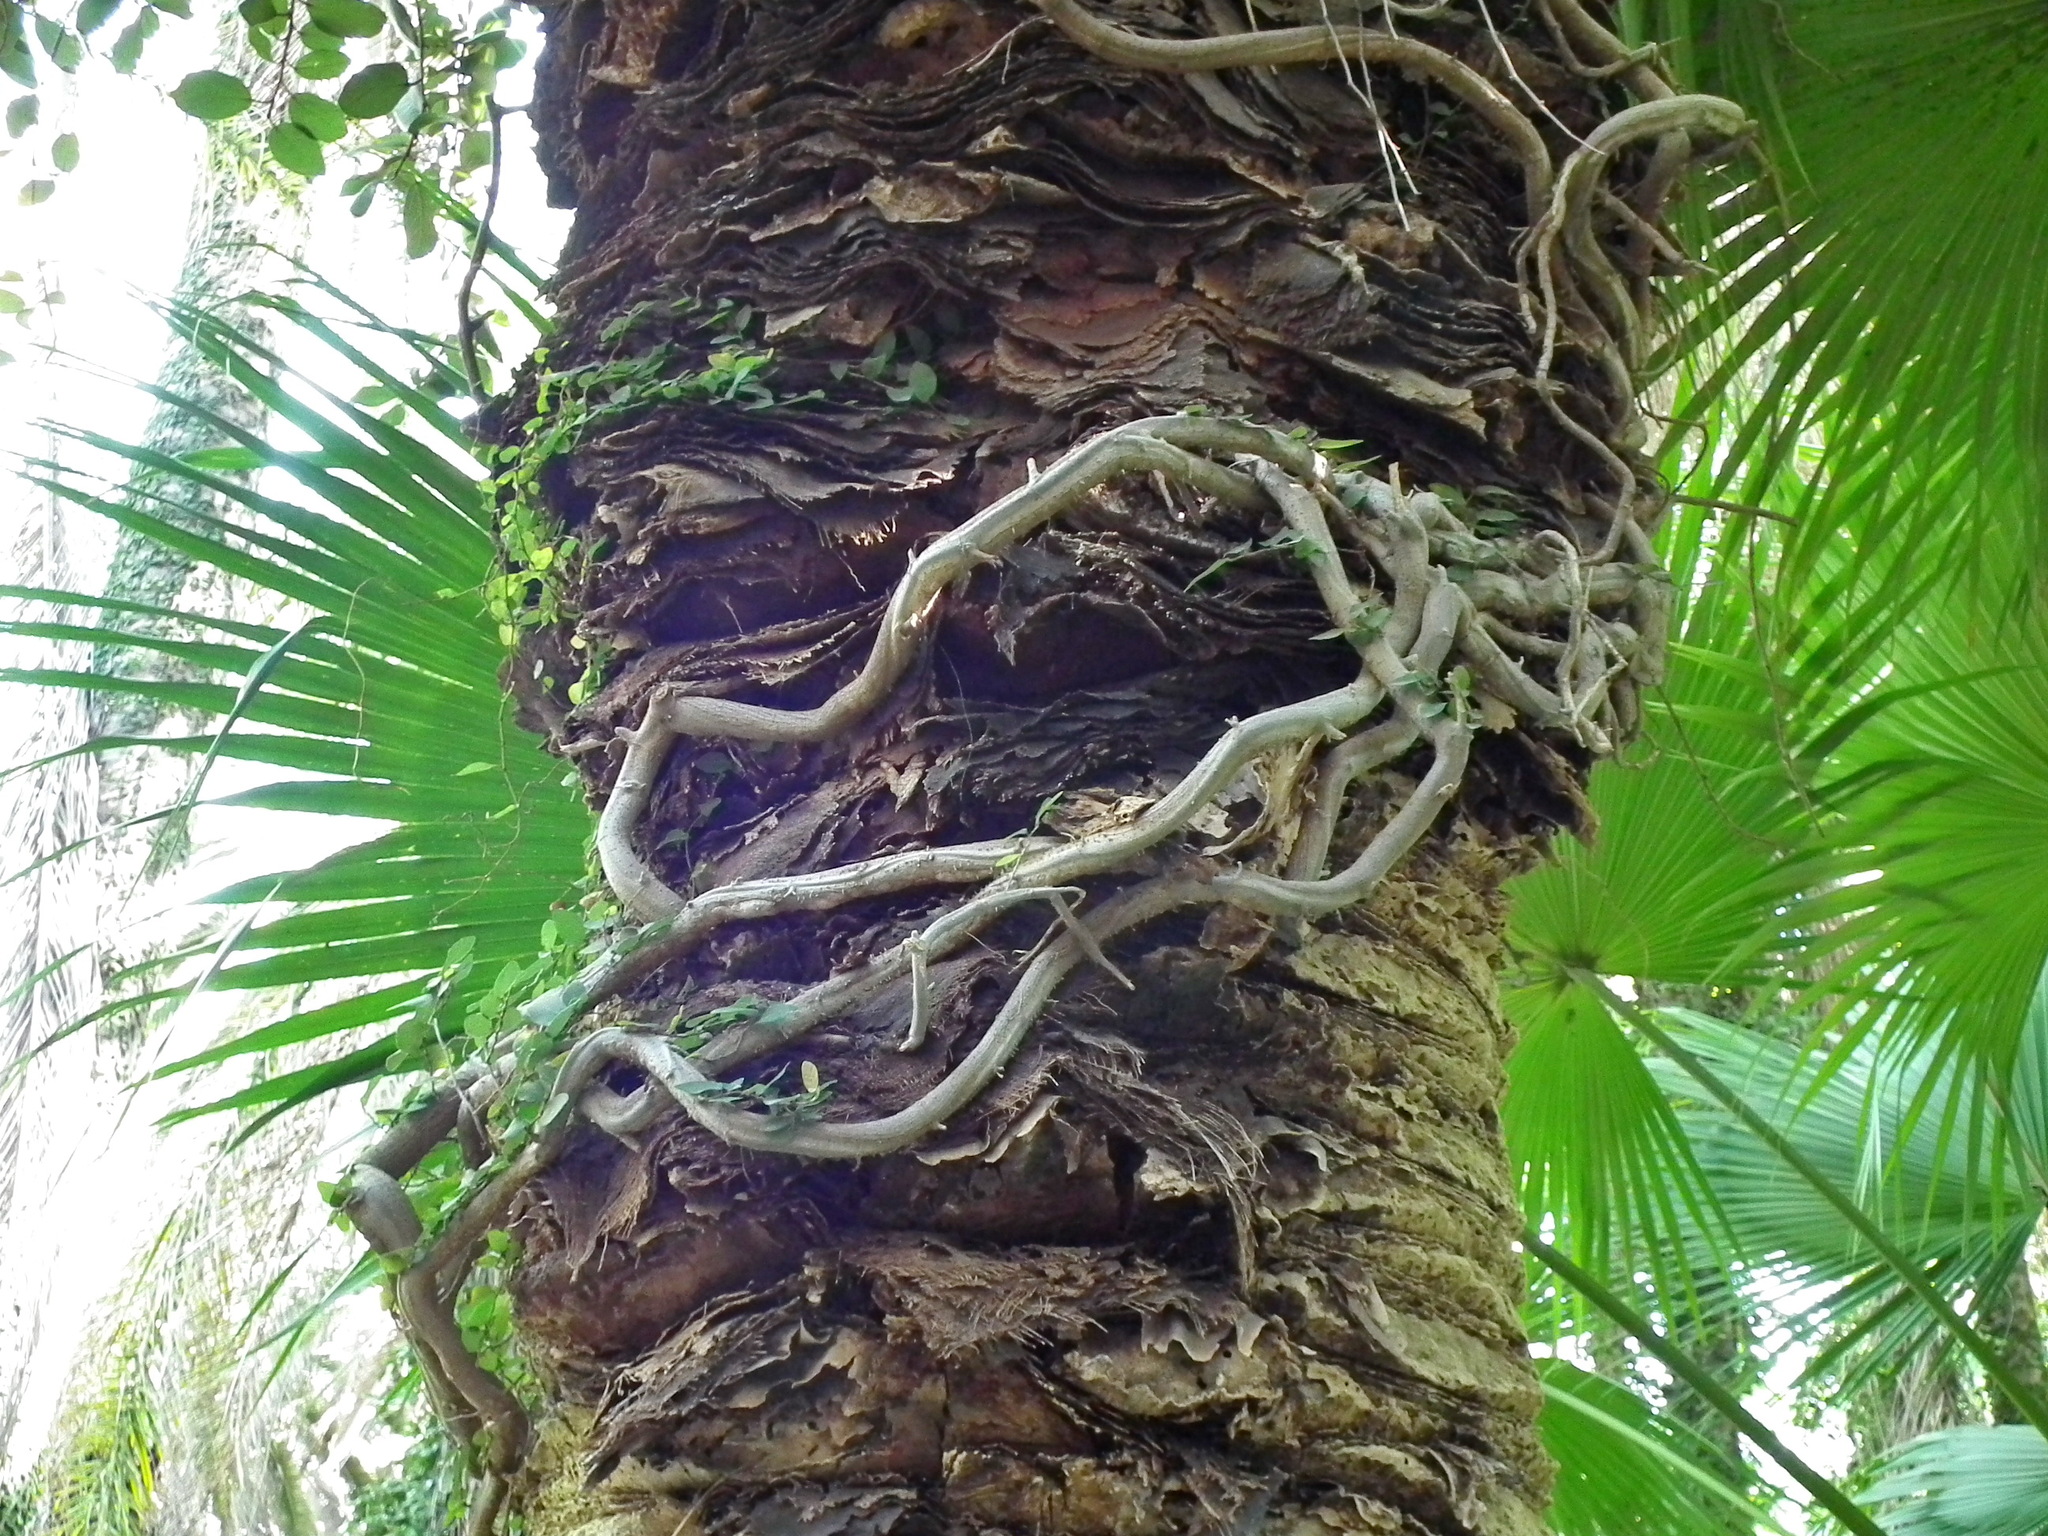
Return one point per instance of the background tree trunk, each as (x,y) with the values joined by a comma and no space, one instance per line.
(1231,1250)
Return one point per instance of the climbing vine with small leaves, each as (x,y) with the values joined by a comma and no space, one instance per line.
(540,562)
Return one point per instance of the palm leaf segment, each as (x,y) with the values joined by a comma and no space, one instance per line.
(1844,780)
(383,703)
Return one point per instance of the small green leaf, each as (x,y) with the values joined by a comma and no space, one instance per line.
(347,18)
(505,49)
(922,380)
(476,149)
(93,15)
(321,64)
(64,151)
(257,12)
(225,461)
(11,303)
(418,217)
(296,150)
(469,768)
(182,9)
(373,90)
(18,64)
(37,191)
(319,117)
(211,96)
(69,52)
(127,50)
(22,113)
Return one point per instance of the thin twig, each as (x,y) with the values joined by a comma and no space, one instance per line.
(465,318)
(1734,508)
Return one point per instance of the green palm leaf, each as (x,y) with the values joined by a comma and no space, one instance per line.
(1975,1481)
(1923,1156)
(1872,291)
(1956,815)
(384,689)
(1624,1470)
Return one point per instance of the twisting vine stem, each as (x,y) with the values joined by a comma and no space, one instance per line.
(1429,657)
(1553,631)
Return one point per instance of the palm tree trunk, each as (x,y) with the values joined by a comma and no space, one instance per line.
(2012,1320)
(1230,1244)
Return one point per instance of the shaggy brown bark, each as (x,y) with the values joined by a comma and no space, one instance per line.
(1229,1250)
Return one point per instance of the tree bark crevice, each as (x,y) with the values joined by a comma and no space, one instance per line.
(1222,1239)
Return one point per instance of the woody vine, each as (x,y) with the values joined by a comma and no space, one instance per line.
(1458,626)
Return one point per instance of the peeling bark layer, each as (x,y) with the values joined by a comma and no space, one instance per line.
(1226,1252)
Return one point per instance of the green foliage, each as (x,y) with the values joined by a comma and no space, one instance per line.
(295,149)
(103,1482)
(21,1506)
(416,128)
(422,1494)
(1928,1164)
(373,90)
(1625,1470)
(386,545)
(1975,1481)
(210,96)
(539,566)
(1836,811)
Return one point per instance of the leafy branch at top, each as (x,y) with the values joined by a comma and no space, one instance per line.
(404,89)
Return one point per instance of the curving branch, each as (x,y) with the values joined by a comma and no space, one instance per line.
(1317,45)
(1407,621)
(1572,198)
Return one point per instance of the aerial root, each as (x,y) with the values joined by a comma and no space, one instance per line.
(1569,271)
(1408,641)
(1566,219)
(1317,45)
(1551,633)
(1419,636)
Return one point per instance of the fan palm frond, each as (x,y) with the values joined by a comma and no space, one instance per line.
(382,703)
(1625,1470)
(1975,1481)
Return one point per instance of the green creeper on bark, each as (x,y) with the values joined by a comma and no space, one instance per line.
(1106,534)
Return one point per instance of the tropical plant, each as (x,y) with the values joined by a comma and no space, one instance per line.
(388,659)
(406,93)
(998,461)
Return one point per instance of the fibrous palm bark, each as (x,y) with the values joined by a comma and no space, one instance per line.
(1188,1212)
